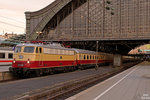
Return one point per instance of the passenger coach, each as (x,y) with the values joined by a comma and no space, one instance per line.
(6,56)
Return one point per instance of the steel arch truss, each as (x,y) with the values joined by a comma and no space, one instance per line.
(90,20)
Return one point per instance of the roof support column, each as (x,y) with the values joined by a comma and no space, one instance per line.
(117,60)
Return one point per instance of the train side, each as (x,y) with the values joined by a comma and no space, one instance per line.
(43,59)
(6,56)
(85,57)
(127,59)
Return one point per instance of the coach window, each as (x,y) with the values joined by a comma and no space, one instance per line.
(87,57)
(10,55)
(2,55)
(60,57)
(84,57)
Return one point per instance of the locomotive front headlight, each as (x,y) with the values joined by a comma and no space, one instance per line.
(14,60)
(28,61)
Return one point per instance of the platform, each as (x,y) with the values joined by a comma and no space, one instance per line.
(4,68)
(5,74)
(132,84)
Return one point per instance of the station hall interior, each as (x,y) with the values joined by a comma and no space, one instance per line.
(78,50)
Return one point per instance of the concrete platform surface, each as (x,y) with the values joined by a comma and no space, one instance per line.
(4,68)
(132,84)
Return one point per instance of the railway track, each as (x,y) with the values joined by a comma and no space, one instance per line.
(57,91)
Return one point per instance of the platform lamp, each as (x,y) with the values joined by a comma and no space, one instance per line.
(39,34)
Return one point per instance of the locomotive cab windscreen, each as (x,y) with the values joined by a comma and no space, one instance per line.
(26,49)
(18,49)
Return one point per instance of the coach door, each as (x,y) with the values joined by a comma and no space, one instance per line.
(39,54)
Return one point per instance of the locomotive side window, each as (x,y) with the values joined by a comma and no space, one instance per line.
(40,50)
(29,49)
(36,49)
(17,49)
(2,55)
(10,55)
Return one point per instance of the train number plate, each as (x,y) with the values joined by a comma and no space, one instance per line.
(20,56)
(20,65)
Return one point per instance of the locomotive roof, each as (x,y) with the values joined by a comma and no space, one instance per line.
(52,46)
(59,46)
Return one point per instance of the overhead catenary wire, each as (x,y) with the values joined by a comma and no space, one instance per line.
(12,19)
(5,29)
(11,24)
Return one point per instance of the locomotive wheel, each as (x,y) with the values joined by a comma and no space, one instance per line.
(66,69)
(73,68)
(38,73)
(51,71)
(30,74)
(81,67)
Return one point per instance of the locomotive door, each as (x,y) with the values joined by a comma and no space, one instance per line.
(79,59)
(39,56)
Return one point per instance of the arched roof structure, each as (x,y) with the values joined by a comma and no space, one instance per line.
(124,22)
(36,21)
(97,19)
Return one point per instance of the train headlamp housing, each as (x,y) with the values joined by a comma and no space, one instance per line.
(28,61)
(14,61)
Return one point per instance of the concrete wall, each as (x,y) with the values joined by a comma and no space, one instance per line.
(6,76)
